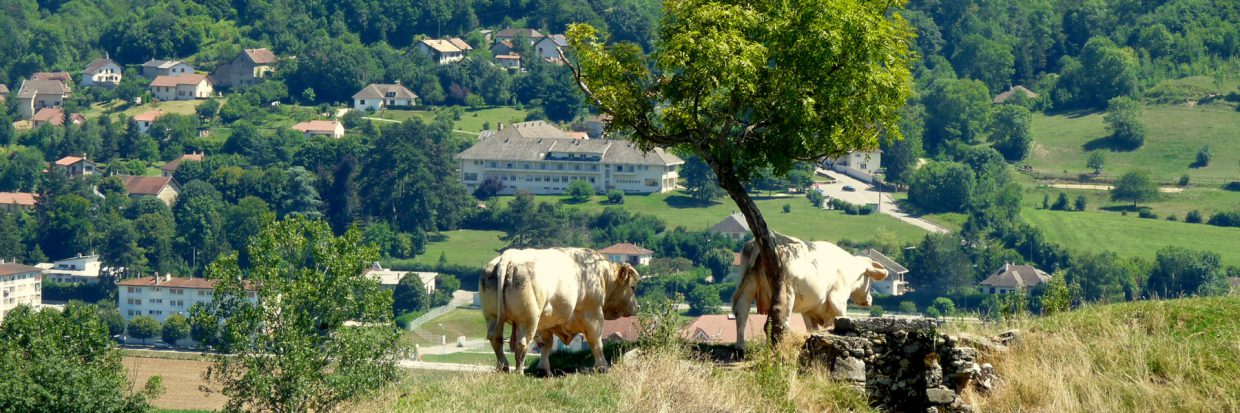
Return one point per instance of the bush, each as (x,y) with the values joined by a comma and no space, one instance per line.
(1193,217)
(853,210)
(1061,202)
(1172,217)
(1184,180)
(944,305)
(1203,156)
(1080,203)
(1226,219)
(579,191)
(815,198)
(908,307)
(406,318)
(176,327)
(704,299)
(143,328)
(866,209)
(876,311)
(787,208)
(1147,213)
(615,197)
(488,188)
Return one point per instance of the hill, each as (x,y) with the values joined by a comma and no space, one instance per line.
(1132,236)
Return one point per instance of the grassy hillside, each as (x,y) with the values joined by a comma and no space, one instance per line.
(1175,133)
(463,247)
(1132,236)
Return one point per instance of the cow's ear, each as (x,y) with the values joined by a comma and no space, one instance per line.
(876,271)
(629,275)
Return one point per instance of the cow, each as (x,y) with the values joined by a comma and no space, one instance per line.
(821,276)
(548,293)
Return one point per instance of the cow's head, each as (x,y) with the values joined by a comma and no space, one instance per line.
(872,271)
(621,299)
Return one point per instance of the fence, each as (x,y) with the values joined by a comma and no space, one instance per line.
(438,311)
(1085,177)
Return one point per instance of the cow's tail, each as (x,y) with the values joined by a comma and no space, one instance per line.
(750,257)
(501,275)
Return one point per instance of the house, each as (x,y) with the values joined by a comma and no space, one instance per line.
(625,252)
(540,158)
(79,269)
(620,330)
(734,271)
(160,296)
(596,125)
(55,117)
(329,128)
(22,284)
(155,68)
(510,34)
(549,47)
(39,94)
(503,48)
(102,72)
(18,201)
(249,67)
(1012,92)
(894,284)
(1012,278)
(183,87)
(389,279)
(64,77)
(144,120)
(858,164)
(721,328)
(171,167)
(162,187)
(444,51)
(378,96)
(512,62)
(4,93)
(734,226)
(75,166)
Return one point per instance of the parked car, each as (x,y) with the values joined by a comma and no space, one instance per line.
(849,188)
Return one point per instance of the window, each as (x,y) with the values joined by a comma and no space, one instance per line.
(156,289)
(157,301)
(130,289)
(471,176)
(992,290)
(510,165)
(560,167)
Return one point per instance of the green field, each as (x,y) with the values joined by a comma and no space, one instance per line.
(1174,134)
(472,120)
(1132,236)
(1207,200)
(463,247)
(468,358)
(460,322)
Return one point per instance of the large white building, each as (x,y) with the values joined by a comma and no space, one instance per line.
(388,278)
(160,296)
(79,269)
(859,164)
(542,159)
(21,284)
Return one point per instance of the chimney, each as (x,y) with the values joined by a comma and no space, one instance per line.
(157,279)
(168,276)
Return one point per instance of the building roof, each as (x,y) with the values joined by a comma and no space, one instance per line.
(61,76)
(175,164)
(625,248)
(577,135)
(391,277)
(96,64)
(144,185)
(4,88)
(381,90)
(532,141)
(450,45)
(161,64)
(1003,97)
(148,116)
(168,281)
(33,87)
(71,160)
(174,81)
(733,224)
(460,43)
(1016,276)
(721,328)
(514,32)
(18,198)
(325,126)
(53,116)
(620,329)
(260,56)
(9,268)
(886,262)
(558,39)
(512,56)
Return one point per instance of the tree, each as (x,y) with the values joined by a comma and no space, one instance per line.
(908,307)
(704,299)
(1123,122)
(120,250)
(1080,203)
(1009,130)
(580,191)
(1203,157)
(944,305)
(942,187)
(779,97)
(987,60)
(65,361)
(302,197)
(488,188)
(1061,202)
(176,327)
(900,156)
(1096,160)
(111,317)
(1183,272)
(1102,72)
(615,197)
(1135,187)
(143,327)
(940,266)
(699,180)
(290,348)
(955,110)
(410,295)
(719,261)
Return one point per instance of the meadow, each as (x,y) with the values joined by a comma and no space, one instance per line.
(1132,236)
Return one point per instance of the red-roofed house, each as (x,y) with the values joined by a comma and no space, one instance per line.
(250,67)
(171,167)
(145,119)
(721,328)
(161,187)
(74,166)
(18,201)
(625,252)
(329,128)
(184,87)
(57,76)
(1012,278)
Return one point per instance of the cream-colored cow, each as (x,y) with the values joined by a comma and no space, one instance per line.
(547,293)
(821,276)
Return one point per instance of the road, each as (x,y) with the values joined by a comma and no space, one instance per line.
(865,194)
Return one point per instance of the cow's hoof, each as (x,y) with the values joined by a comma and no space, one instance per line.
(600,370)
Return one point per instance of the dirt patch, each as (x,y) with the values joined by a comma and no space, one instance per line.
(1165,189)
(181,380)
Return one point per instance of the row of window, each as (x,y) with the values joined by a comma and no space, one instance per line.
(176,291)
(562,167)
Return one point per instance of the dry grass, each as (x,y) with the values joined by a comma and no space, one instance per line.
(181,379)
(1175,355)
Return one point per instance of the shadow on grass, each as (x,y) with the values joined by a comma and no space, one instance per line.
(682,201)
(1108,143)
(566,362)
(1073,113)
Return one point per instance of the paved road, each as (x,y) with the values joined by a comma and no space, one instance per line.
(423,365)
(865,194)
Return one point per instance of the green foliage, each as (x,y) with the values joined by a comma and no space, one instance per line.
(1193,217)
(1061,202)
(658,325)
(143,327)
(1057,295)
(704,299)
(1096,161)
(1103,71)
(1079,204)
(1009,130)
(615,197)
(176,327)
(1203,157)
(1183,272)
(64,361)
(876,311)
(816,198)
(955,110)
(408,178)
(787,208)
(944,305)
(579,191)
(1134,187)
(1225,219)
(1123,119)
(939,266)
(942,187)
(908,307)
(310,283)
(410,295)
(699,180)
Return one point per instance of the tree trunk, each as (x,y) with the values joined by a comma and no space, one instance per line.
(771,265)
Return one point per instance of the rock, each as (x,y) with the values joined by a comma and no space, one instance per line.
(986,378)
(981,343)
(1009,338)
(940,395)
(849,369)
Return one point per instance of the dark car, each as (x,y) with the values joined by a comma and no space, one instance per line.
(849,188)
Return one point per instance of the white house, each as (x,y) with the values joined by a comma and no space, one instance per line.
(161,296)
(102,72)
(378,96)
(444,51)
(79,269)
(540,158)
(1012,278)
(512,62)
(549,47)
(389,278)
(155,68)
(859,164)
(626,252)
(329,128)
(37,94)
(183,87)
(145,119)
(21,284)
(894,284)
(734,226)
(74,166)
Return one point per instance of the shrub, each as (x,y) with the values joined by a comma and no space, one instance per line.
(488,188)
(615,197)
(1203,156)
(944,305)
(1061,202)
(143,328)
(908,307)
(1172,218)
(933,313)
(865,209)
(876,311)
(787,208)
(1183,180)
(815,198)
(1193,217)
(1226,219)
(1080,203)
(1147,213)
(176,327)
(852,210)
(579,191)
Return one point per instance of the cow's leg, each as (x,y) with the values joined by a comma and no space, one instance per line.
(522,337)
(811,322)
(495,333)
(740,309)
(546,341)
(594,336)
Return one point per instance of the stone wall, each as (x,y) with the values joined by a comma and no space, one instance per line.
(903,365)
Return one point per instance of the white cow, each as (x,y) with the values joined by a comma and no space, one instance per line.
(821,275)
(548,293)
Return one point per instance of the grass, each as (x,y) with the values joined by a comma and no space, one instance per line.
(460,322)
(472,120)
(1174,134)
(1132,236)
(1173,355)
(463,247)
(1208,200)
(487,358)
